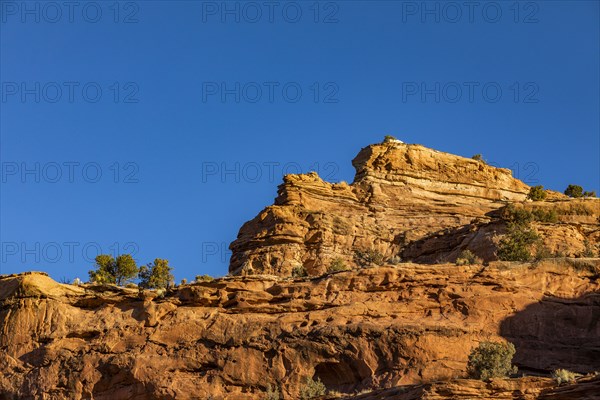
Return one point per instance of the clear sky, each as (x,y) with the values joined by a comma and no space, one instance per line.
(159,127)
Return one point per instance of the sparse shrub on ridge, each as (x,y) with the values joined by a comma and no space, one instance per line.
(491,360)
(574,191)
(365,258)
(312,389)
(156,275)
(337,264)
(204,278)
(564,376)
(589,194)
(299,271)
(466,257)
(537,193)
(111,271)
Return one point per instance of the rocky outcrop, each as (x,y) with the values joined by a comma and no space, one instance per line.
(529,388)
(406,202)
(365,329)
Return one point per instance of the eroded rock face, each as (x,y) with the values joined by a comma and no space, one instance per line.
(408,202)
(364,329)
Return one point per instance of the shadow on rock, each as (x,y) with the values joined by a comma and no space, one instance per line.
(556,333)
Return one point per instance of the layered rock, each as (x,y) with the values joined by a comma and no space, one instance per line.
(366,329)
(406,202)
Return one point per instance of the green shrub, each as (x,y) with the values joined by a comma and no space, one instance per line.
(517,215)
(466,257)
(589,194)
(156,275)
(491,360)
(299,271)
(515,246)
(337,264)
(272,394)
(368,257)
(574,191)
(388,138)
(312,389)
(541,215)
(537,193)
(564,376)
(204,278)
(523,216)
(111,271)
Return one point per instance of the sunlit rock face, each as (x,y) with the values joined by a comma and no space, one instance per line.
(407,202)
(364,329)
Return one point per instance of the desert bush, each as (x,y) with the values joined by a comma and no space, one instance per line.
(131,285)
(183,281)
(466,257)
(515,246)
(156,275)
(491,360)
(517,215)
(337,264)
(541,215)
(111,271)
(537,193)
(272,394)
(388,138)
(365,258)
(589,194)
(204,278)
(564,376)
(523,216)
(312,389)
(574,191)
(299,271)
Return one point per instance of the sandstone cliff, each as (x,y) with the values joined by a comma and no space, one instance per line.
(402,330)
(366,329)
(407,202)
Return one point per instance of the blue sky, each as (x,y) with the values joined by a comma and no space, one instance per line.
(159,128)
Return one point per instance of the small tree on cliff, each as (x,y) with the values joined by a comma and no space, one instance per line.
(111,271)
(537,193)
(491,360)
(312,389)
(156,275)
(574,191)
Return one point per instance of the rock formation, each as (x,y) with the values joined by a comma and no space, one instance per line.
(407,202)
(367,329)
(401,330)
